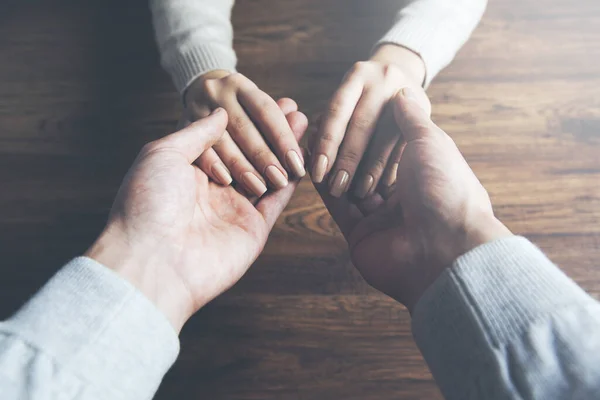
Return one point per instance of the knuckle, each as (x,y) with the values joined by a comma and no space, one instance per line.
(260,154)
(350,156)
(241,123)
(378,165)
(362,122)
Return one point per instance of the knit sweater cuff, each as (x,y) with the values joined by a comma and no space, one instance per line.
(489,297)
(188,64)
(99,326)
(435,30)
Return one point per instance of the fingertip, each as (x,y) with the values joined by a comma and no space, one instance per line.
(287,105)
(298,123)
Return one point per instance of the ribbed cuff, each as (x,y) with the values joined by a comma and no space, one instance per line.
(413,34)
(195,61)
(99,326)
(435,31)
(489,296)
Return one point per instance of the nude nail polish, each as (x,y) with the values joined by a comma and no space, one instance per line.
(254,184)
(295,163)
(320,168)
(390,177)
(339,183)
(221,173)
(364,186)
(275,176)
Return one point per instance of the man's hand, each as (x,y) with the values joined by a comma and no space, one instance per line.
(437,211)
(258,149)
(179,237)
(357,145)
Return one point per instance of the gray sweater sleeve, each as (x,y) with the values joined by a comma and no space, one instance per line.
(86,335)
(506,323)
(195,36)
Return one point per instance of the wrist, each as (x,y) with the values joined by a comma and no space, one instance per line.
(406,60)
(486,230)
(197,84)
(147,270)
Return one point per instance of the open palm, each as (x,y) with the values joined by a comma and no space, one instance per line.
(202,236)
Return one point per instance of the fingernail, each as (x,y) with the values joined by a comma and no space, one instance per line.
(339,183)
(276,177)
(391,175)
(221,172)
(295,163)
(254,184)
(364,186)
(409,94)
(319,168)
(216,111)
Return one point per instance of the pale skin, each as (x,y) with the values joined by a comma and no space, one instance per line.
(353,149)
(259,150)
(171,228)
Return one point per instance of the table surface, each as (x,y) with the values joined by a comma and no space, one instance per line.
(81,90)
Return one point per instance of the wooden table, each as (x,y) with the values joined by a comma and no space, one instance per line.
(81,90)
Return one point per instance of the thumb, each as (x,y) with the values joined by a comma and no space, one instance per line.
(199,136)
(412,119)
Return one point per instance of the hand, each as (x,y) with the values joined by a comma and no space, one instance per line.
(437,211)
(179,237)
(258,143)
(357,145)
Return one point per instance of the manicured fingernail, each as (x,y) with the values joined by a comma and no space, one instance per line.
(295,163)
(254,184)
(409,94)
(320,168)
(339,183)
(364,186)
(391,175)
(221,172)
(216,111)
(276,177)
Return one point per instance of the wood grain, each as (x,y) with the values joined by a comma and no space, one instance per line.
(81,90)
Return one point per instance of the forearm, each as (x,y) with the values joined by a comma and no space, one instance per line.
(505,323)
(194,37)
(87,334)
(435,30)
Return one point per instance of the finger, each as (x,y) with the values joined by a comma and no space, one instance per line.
(211,164)
(359,133)
(298,123)
(272,205)
(388,178)
(378,153)
(412,119)
(287,105)
(274,127)
(370,204)
(240,168)
(332,130)
(194,139)
(249,140)
(344,212)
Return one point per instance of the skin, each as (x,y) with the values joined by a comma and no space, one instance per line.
(437,211)
(356,147)
(259,150)
(171,228)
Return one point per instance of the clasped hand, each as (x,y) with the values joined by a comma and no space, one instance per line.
(183,239)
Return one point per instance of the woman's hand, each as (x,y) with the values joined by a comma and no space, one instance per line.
(259,149)
(357,145)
